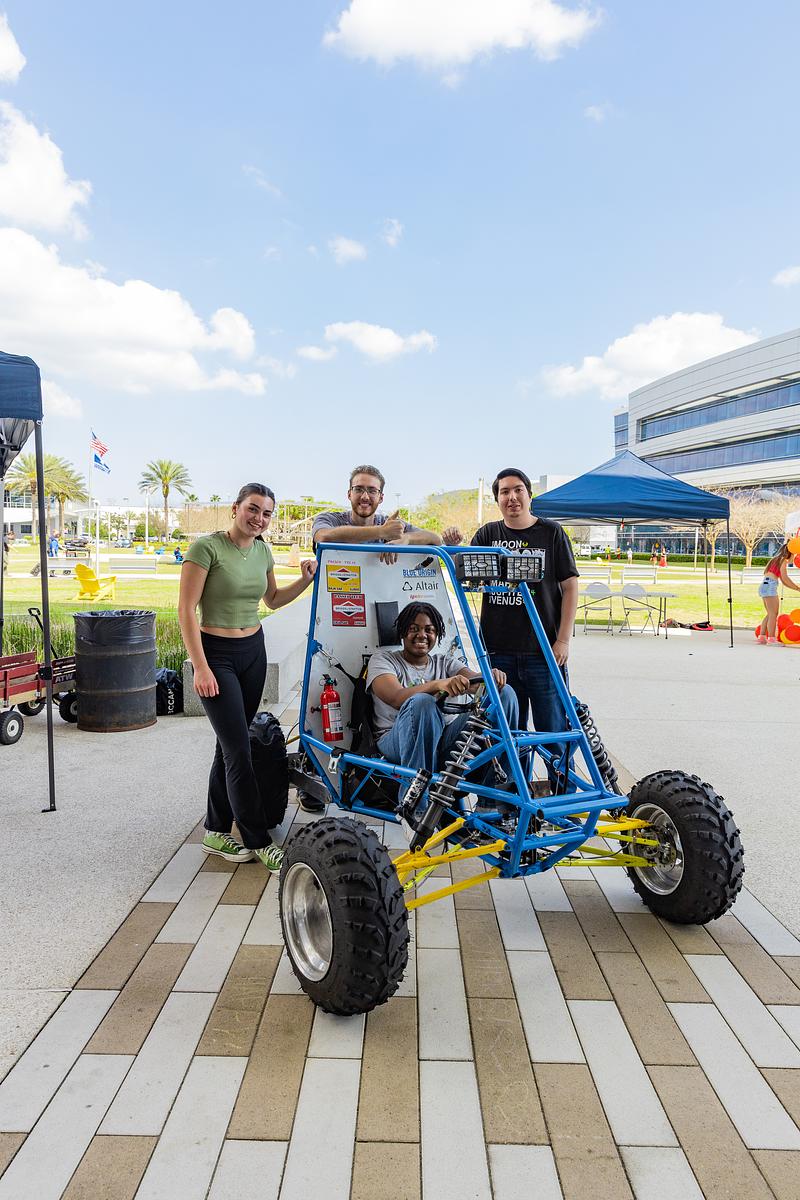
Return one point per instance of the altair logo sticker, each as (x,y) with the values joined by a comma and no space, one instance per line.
(342,578)
(351,611)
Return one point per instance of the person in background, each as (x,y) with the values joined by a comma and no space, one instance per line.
(630,555)
(226,574)
(775,573)
(177,554)
(507,631)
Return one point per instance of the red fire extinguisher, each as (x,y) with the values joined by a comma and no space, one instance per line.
(331,708)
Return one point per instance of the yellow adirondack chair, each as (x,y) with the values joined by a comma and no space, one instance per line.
(93,587)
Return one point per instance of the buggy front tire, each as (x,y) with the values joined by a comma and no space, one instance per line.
(343,916)
(11,727)
(695,873)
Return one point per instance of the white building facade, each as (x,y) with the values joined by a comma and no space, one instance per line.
(730,422)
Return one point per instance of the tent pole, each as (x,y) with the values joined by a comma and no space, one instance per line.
(2,555)
(730,585)
(705,559)
(47,670)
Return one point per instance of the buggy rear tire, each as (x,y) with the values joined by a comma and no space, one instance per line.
(11,727)
(68,707)
(31,708)
(697,871)
(343,916)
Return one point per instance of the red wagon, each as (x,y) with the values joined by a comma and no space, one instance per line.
(23,692)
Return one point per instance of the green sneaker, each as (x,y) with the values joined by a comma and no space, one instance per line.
(226,847)
(270,856)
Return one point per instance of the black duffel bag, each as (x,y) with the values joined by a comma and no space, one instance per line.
(169,692)
(268,752)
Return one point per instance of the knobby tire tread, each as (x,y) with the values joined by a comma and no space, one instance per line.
(713,854)
(368,914)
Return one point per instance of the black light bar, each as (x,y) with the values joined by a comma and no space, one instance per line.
(478,566)
(484,566)
(524,568)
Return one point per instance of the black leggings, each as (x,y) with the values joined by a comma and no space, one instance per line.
(240,668)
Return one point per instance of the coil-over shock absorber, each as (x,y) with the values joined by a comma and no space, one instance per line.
(442,794)
(599,753)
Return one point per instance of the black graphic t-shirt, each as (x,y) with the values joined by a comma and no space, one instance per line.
(504,621)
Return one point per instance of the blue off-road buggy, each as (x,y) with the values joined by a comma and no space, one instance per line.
(549,799)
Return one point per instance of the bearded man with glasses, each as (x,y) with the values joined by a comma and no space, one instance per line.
(358,525)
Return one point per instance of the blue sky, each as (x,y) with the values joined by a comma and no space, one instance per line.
(446,236)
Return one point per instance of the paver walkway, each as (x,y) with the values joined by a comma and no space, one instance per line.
(551,1038)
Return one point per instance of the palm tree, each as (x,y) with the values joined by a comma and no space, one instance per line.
(23,478)
(215,500)
(162,474)
(189,498)
(67,485)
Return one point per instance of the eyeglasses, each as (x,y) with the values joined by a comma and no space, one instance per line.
(358,490)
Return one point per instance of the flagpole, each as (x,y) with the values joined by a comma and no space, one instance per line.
(91,469)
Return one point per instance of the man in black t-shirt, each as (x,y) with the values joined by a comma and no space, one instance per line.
(506,627)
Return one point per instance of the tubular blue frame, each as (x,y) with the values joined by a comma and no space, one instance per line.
(574,814)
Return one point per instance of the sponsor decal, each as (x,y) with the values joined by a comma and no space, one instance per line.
(418,572)
(342,578)
(349,610)
(421,585)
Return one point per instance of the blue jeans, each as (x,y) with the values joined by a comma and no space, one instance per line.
(421,738)
(529,676)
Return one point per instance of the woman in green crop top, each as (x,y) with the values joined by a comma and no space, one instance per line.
(225,575)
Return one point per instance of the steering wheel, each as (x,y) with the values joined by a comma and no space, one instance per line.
(447,704)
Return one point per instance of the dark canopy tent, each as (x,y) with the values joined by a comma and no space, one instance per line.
(625,490)
(21,415)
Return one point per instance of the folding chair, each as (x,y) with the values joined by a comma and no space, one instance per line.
(598,597)
(634,599)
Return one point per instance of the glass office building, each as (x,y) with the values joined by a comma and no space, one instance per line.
(730,422)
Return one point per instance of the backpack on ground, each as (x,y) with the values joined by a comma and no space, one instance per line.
(268,754)
(169,692)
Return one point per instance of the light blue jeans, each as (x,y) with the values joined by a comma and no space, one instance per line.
(420,737)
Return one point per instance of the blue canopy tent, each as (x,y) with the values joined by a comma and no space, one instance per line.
(20,415)
(625,490)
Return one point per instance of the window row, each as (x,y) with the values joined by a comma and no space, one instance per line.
(731,455)
(720,410)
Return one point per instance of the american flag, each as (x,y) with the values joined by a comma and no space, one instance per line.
(99,447)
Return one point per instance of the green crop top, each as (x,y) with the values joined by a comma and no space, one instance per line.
(235,583)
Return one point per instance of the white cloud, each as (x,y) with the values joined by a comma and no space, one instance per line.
(35,190)
(652,349)
(131,337)
(12,60)
(272,253)
(392,231)
(378,342)
(277,366)
(345,250)
(788,277)
(317,353)
(448,33)
(260,180)
(597,112)
(58,403)
(312,250)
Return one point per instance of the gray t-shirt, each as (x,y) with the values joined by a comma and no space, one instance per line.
(334,520)
(391,662)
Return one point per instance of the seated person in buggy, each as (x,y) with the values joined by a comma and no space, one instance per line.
(410,727)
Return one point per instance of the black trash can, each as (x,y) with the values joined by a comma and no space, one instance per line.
(115,658)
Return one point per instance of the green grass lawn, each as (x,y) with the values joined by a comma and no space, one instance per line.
(159,594)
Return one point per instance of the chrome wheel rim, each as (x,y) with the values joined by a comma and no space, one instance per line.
(307,922)
(666,868)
